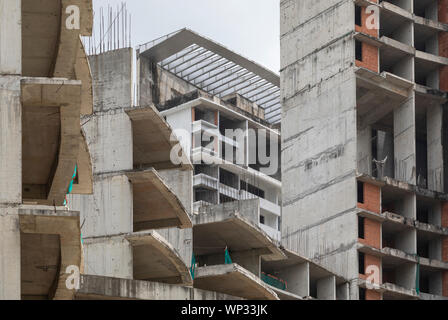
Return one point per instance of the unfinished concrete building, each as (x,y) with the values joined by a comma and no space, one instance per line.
(364,142)
(203,90)
(71,124)
(45,86)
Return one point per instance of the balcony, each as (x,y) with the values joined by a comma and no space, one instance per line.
(204,126)
(234,280)
(205,181)
(271,232)
(50,242)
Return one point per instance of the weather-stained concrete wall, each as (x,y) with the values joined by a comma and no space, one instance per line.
(319,157)
(10,147)
(108,214)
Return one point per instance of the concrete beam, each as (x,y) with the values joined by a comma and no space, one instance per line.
(104,288)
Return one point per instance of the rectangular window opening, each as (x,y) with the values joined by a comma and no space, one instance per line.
(361,262)
(358,48)
(361,230)
(358,15)
(360,192)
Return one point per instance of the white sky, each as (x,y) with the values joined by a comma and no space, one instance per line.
(248,27)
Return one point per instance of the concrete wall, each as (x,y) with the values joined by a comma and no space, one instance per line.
(10,37)
(326,288)
(112,74)
(108,213)
(10,140)
(298,279)
(10,254)
(404,142)
(10,148)
(434,118)
(319,157)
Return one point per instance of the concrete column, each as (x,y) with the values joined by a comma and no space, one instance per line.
(9,254)
(404,142)
(434,117)
(10,140)
(248,260)
(406,276)
(298,279)
(10,180)
(435,284)
(343,292)
(326,288)
(10,37)
(407,241)
(385,148)
(364,147)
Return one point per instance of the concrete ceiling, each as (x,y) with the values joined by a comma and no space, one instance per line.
(40,262)
(40,33)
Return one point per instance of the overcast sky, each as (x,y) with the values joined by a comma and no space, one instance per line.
(248,27)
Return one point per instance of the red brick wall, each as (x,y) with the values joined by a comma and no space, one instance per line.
(370,54)
(370,261)
(372,233)
(372,198)
(363,28)
(373,295)
(443,43)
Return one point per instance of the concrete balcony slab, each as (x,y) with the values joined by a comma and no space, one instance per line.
(235,226)
(155,204)
(234,280)
(154,259)
(51,138)
(154,141)
(50,242)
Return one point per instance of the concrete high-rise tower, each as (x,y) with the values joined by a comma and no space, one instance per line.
(364,131)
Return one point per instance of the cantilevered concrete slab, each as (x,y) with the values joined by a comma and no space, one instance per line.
(234,280)
(155,204)
(50,242)
(51,138)
(378,94)
(50,48)
(154,141)
(155,259)
(104,288)
(235,228)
